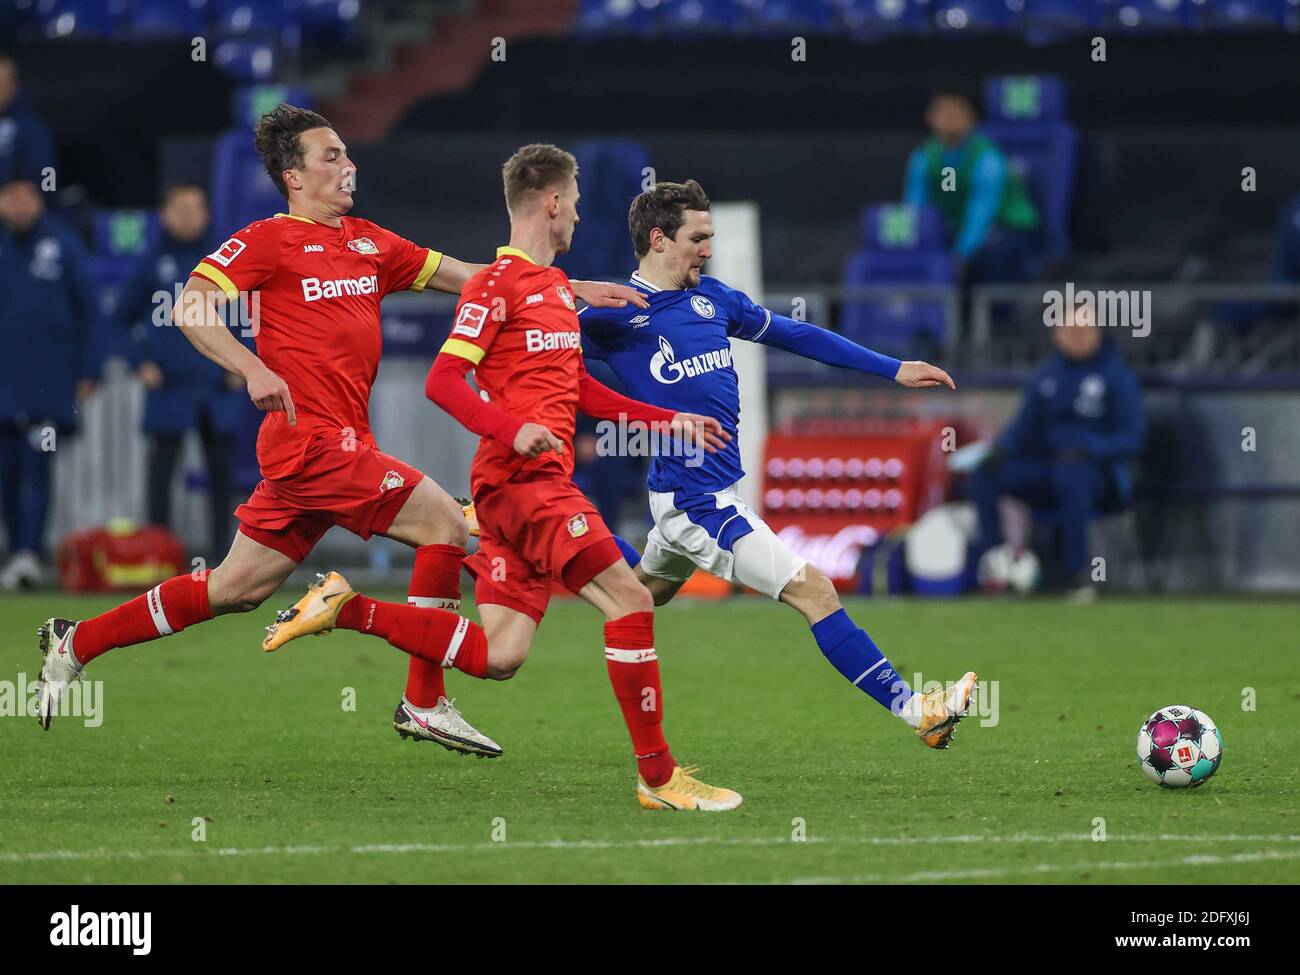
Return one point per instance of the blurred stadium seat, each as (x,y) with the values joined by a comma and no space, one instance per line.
(1238,14)
(1025,116)
(1044,21)
(246,60)
(612,174)
(251,102)
(870,19)
(167,18)
(241,190)
(119,237)
(902,245)
(79,18)
(972,16)
(1142,16)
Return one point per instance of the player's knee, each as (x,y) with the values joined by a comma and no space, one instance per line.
(503,669)
(242,600)
(633,598)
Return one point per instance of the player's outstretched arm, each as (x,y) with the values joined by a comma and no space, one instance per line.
(600,294)
(823,345)
(198,313)
(452,274)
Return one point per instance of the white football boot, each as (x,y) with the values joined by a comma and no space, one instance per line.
(59,668)
(445,725)
(23,571)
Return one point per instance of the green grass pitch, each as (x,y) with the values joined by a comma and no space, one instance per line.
(291,787)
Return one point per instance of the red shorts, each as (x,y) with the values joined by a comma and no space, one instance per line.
(533,533)
(361,489)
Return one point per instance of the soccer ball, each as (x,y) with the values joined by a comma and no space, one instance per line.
(1003,568)
(1179,747)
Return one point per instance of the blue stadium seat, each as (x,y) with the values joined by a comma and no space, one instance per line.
(1142,16)
(1026,118)
(246,60)
(882,18)
(250,18)
(241,190)
(810,15)
(903,245)
(251,102)
(892,226)
(1239,14)
(118,238)
(972,16)
(612,172)
(1044,21)
(330,23)
(168,18)
(700,16)
(79,18)
(896,325)
(597,17)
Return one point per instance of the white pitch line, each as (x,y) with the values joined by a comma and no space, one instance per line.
(199,850)
(994,873)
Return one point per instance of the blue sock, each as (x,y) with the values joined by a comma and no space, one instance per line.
(629,553)
(860,661)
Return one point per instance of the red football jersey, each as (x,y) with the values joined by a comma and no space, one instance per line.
(518,323)
(318,326)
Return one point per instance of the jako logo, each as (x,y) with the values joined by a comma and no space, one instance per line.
(102,929)
(666,369)
(313,248)
(314,288)
(539,341)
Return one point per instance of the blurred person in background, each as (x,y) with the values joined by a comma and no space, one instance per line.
(186,391)
(992,224)
(1070,447)
(25,143)
(49,329)
(610,480)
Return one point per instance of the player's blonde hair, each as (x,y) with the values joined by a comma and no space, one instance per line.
(535,168)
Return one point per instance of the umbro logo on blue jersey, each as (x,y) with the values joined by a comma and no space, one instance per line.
(639,321)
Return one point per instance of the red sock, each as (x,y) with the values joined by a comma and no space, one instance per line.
(431,634)
(634,672)
(435,582)
(167,608)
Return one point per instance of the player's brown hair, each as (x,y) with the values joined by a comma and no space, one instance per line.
(276,138)
(662,207)
(534,168)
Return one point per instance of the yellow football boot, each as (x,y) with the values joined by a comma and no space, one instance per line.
(685,792)
(942,709)
(471,516)
(315,613)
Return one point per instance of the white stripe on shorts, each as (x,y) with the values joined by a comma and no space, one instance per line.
(154,600)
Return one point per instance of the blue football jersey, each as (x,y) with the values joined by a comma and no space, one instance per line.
(676,354)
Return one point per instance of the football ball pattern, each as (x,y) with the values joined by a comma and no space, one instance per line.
(1179,747)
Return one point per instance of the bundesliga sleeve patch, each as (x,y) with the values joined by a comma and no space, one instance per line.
(228,251)
(470,321)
